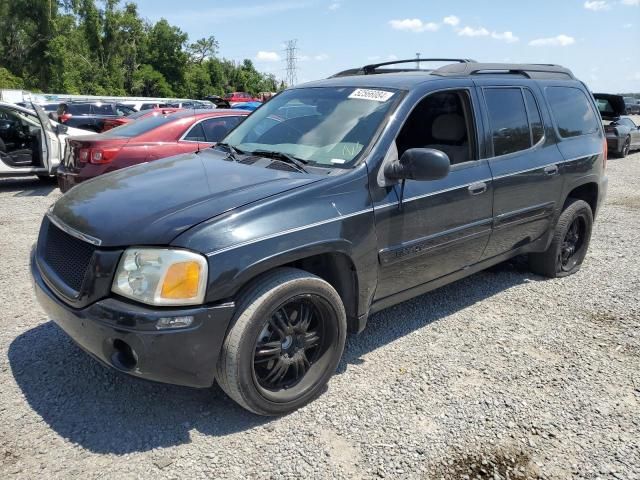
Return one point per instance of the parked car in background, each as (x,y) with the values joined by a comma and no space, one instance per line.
(90,115)
(193,105)
(632,105)
(623,135)
(218,101)
(142,141)
(30,142)
(119,121)
(249,106)
(248,263)
(140,105)
(238,97)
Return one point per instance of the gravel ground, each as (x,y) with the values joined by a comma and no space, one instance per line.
(500,375)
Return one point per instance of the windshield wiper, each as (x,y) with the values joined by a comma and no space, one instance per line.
(283,157)
(233,152)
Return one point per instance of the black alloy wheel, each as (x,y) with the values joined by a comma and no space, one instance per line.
(284,343)
(294,338)
(572,244)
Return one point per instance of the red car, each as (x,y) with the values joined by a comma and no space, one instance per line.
(142,141)
(236,97)
(119,121)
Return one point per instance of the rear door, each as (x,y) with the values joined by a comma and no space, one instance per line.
(525,163)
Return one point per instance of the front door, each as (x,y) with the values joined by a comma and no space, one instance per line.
(440,226)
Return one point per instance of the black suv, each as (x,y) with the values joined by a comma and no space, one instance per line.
(90,115)
(248,262)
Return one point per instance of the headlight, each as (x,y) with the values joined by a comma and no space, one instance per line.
(161,276)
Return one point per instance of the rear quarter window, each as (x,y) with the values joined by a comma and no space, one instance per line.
(572,111)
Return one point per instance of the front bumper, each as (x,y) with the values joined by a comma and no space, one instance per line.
(123,336)
(614,144)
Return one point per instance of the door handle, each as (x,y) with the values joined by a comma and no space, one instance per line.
(551,170)
(477,188)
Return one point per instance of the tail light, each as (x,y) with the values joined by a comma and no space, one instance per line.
(98,156)
(103,155)
(605,153)
(64,117)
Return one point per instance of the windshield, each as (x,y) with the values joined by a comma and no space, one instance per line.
(324,126)
(138,127)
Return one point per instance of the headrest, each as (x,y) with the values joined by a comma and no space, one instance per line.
(449,127)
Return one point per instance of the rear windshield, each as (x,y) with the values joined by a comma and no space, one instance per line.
(138,127)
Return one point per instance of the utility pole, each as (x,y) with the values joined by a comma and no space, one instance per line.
(418,61)
(291,59)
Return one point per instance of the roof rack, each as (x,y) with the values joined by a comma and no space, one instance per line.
(531,70)
(374,68)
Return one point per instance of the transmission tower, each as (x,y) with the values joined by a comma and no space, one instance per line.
(291,59)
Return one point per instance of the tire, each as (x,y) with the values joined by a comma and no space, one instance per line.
(626,146)
(256,351)
(566,254)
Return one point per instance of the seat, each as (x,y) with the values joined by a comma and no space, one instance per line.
(450,131)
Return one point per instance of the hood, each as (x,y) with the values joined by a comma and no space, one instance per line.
(152,203)
(610,106)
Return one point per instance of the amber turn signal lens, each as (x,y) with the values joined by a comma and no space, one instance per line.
(181,281)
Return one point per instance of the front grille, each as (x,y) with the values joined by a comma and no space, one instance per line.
(67,256)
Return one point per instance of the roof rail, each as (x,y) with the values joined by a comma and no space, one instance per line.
(375,67)
(529,70)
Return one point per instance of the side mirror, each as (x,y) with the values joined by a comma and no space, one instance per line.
(419,164)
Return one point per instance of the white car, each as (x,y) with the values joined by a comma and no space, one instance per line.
(30,142)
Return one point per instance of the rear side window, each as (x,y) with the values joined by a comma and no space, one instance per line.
(535,121)
(196,134)
(78,109)
(215,129)
(508,117)
(572,112)
(102,109)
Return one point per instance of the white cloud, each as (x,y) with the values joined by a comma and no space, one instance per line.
(391,57)
(632,3)
(263,56)
(414,25)
(334,6)
(473,32)
(321,57)
(596,5)
(451,20)
(557,41)
(627,25)
(508,37)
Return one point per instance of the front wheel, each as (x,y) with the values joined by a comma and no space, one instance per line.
(569,244)
(626,147)
(284,343)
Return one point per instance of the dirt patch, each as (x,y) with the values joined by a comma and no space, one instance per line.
(507,463)
(629,201)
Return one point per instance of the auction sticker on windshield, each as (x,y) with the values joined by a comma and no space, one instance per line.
(377,95)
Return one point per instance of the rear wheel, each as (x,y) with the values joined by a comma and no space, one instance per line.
(569,244)
(284,344)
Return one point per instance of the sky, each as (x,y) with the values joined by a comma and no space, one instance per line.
(598,39)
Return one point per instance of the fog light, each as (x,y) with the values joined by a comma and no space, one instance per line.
(174,322)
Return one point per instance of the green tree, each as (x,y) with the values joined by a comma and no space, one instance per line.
(8,80)
(203,49)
